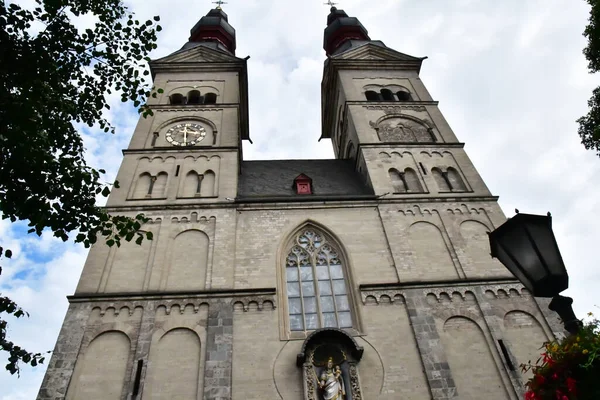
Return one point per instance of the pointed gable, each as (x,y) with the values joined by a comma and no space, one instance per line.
(197,53)
(374,51)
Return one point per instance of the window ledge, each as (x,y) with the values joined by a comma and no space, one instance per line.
(196,197)
(146,198)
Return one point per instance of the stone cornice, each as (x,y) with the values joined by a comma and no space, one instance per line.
(437,284)
(164,295)
(192,107)
(181,150)
(292,203)
(457,145)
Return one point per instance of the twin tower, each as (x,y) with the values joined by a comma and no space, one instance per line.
(367,276)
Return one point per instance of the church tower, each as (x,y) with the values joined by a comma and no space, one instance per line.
(367,276)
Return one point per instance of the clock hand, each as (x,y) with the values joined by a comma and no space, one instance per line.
(185,131)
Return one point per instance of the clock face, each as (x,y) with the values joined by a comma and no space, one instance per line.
(186,134)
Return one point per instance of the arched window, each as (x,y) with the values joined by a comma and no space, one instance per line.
(177,98)
(207,184)
(371,95)
(397,181)
(316,289)
(455,181)
(411,179)
(194,97)
(191,184)
(441,180)
(387,95)
(403,96)
(160,185)
(143,186)
(210,98)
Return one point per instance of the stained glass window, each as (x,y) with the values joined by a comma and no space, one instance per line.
(316,288)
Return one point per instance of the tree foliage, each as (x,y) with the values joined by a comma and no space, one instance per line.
(589,124)
(54,77)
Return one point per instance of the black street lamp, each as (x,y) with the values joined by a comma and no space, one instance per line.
(526,245)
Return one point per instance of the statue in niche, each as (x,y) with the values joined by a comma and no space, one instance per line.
(331,382)
(329,358)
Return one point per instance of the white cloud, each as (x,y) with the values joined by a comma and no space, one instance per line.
(510,78)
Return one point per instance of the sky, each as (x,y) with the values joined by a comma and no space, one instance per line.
(510,78)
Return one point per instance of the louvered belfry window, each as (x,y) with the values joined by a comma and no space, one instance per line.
(316,287)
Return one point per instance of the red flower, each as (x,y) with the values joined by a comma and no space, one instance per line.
(555,376)
(560,395)
(540,380)
(572,385)
(531,396)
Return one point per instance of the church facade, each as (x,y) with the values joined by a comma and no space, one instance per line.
(367,276)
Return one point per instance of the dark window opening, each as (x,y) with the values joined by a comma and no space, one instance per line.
(423,168)
(177,171)
(154,138)
(372,95)
(403,96)
(506,355)
(210,98)
(387,95)
(194,97)
(138,377)
(177,99)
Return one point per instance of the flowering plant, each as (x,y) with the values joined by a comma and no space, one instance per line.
(568,369)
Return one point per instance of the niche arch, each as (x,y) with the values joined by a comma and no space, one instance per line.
(102,368)
(181,380)
(403,128)
(188,261)
(326,351)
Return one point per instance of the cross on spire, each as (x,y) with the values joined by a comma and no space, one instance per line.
(219,3)
(330,3)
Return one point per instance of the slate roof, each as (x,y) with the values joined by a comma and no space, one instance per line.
(275,178)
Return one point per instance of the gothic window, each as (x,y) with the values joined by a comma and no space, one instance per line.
(177,98)
(387,95)
(316,289)
(210,98)
(455,181)
(194,97)
(372,95)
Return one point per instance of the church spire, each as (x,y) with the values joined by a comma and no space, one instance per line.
(341,30)
(214,28)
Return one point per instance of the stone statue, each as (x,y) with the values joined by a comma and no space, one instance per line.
(331,382)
